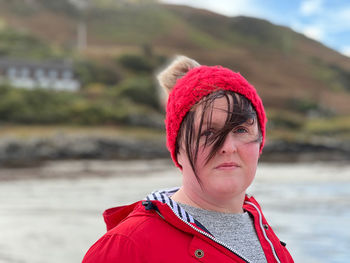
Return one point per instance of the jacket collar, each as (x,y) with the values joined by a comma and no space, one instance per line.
(114,216)
(164,197)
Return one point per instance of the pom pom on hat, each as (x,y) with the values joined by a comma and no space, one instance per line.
(176,70)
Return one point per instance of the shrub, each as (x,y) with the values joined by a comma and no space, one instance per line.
(329,126)
(97,106)
(90,72)
(140,90)
(34,106)
(136,63)
(17,44)
(302,105)
(284,119)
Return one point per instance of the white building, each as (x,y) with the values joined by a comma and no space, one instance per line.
(44,74)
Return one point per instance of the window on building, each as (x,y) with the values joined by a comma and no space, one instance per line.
(39,73)
(67,74)
(25,73)
(53,74)
(11,72)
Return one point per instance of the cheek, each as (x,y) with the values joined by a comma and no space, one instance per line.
(202,157)
(250,156)
(253,152)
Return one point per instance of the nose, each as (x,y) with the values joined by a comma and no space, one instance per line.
(229,145)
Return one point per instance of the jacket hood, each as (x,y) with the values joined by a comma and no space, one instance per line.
(115,215)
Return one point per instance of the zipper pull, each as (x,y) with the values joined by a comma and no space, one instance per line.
(149,205)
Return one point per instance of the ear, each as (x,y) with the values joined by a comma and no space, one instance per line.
(180,157)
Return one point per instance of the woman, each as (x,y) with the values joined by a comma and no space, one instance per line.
(215,124)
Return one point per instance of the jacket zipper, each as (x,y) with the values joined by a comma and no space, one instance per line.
(209,236)
(264,232)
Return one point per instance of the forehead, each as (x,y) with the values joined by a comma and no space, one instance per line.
(228,110)
(217,109)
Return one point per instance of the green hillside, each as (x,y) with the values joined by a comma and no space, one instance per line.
(303,83)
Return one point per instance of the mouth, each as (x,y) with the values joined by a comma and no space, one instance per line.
(227,166)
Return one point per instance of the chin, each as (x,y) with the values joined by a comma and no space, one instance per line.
(228,188)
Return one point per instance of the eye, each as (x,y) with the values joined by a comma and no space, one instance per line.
(240,129)
(208,133)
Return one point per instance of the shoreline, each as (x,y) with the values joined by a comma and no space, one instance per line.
(34,152)
(77,170)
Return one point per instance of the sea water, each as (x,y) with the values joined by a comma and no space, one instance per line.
(52,213)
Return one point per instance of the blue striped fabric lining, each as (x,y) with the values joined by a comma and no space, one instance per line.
(164,197)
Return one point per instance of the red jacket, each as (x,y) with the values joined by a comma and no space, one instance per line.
(151,232)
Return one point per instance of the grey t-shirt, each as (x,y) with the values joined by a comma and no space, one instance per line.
(235,230)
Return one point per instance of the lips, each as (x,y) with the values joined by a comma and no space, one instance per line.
(227,166)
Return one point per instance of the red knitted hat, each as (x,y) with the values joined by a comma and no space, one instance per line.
(196,84)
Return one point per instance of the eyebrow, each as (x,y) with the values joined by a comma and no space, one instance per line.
(212,124)
(215,124)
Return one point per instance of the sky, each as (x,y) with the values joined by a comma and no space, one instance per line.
(327,21)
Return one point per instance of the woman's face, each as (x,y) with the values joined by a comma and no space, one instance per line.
(232,169)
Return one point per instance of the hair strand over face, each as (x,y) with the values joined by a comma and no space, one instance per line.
(239,111)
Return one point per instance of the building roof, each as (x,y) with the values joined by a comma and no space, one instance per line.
(47,64)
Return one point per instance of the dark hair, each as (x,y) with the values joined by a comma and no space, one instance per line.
(239,111)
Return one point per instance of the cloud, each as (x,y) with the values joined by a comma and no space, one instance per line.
(314,32)
(344,16)
(311,7)
(331,28)
(325,22)
(345,50)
